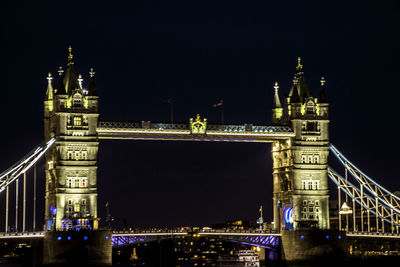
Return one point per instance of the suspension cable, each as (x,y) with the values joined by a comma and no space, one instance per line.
(349,189)
(351,168)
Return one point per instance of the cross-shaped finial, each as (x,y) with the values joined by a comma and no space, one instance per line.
(323,81)
(91,73)
(60,71)
(80,79)
(276,86)
(299,66)
(70,56)
(49,78)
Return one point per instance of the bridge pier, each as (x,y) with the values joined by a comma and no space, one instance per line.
(312,245)
(83,248)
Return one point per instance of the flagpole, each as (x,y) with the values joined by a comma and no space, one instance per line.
(222,115)
(172,111)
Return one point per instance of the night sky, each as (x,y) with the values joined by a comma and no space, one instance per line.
(199,52)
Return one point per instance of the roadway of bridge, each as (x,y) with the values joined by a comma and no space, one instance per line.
(28,235)
(182,132)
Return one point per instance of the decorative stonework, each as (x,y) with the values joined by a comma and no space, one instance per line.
(198,126)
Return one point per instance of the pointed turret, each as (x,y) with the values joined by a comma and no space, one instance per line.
(92,91)
(70,78)
(60,87)
(277,101)
(276,106)
(50,91)
(294,97)
(323,98)
(299,83)
(48,101)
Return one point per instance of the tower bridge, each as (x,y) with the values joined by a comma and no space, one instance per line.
(299,137)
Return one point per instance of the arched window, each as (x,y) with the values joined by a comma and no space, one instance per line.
(77,100)
(310,107)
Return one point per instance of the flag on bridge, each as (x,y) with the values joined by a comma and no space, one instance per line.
(168,101)
(219,104)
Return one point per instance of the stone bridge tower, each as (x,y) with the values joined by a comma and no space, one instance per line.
(70,115)
(300,181)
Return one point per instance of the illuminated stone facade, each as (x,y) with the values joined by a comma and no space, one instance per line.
(71,115)
(300,181)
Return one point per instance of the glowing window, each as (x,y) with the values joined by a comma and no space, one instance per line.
(77,121)
(77,100)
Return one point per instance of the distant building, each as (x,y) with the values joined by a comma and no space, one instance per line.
(235,225)
(240,258)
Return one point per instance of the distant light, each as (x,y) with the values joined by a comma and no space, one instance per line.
(59,238)
(107,237)
(69,238)
(85,237)
(327,236)
(302,237)
(340,237)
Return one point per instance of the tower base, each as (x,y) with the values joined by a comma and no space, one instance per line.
(73,248)
(313,245)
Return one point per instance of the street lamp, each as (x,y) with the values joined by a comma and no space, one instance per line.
(346,210)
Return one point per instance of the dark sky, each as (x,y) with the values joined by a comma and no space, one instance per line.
(199,52)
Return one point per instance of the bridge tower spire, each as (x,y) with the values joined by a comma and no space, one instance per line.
(71,115)
(301,198)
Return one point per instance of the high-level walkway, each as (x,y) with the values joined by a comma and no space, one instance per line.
(146,130)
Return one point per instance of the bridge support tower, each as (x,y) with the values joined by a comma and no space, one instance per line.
(300,181)
(71,222)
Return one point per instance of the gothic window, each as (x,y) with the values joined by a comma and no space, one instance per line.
(311,126)
(77,182)
(69,206)
(77,100)
(83,202)
(310,185)
(310,210)
(304,184)
(303,159)
(82,182)
(77,121)
(77,207)
(310,107)
(316,159)
(77,152)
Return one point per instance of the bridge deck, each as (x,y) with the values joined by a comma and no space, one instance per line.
(181,132)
